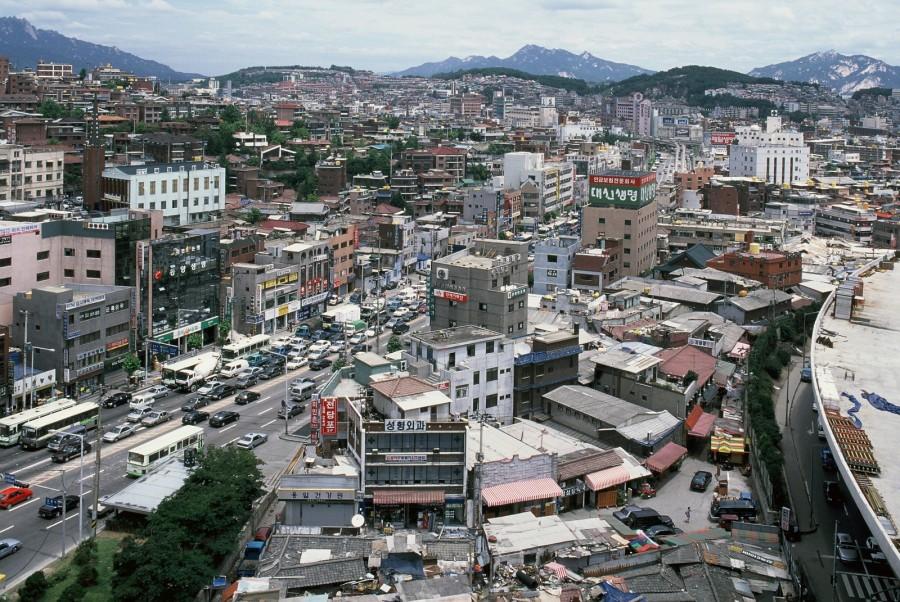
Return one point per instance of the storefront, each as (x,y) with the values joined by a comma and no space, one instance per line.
(538,496)
(726,448)
(699,425)
(407,508)
(608,487)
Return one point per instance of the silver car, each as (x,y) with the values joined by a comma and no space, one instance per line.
(118,433)
(846,548)
(251,440)
(8,547)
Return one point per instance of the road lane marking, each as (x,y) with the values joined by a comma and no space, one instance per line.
(24,504)
(71,516)
(226,444)
(90,476)
(228,428)
(44,461)
(268,423)
(266,410)
(262,399)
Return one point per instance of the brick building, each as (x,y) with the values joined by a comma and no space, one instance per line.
(773,268)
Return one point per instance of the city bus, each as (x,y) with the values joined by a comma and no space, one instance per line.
(143,458)
(234,351)
(11,425)
(37,433)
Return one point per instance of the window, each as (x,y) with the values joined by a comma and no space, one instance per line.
(42,255)
(5,281)
(509,330)
(163,185)
(476,378)
(93,273)
(174,185)
(628,237)
(521,325)
(628,222)
(89,314)
(491,374)
(552,258)
(43,276)
(123,327)
(451,360)
(461,391)
(68,273)
(510,307)
(93,253)
(89,338)
(470,350)
(489,347)
(601,220)
(490,401)
(196,183)
(152,187)
(69,252)
(482,306)
(114,307)
(140,189)
(521,304)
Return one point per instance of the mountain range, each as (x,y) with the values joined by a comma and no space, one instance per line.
(25,45)
(536,60)
(842,73)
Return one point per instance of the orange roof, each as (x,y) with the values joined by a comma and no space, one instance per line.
(678,361)
(402,387)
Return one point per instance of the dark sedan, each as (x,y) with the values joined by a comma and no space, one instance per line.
(271,371)
(220,391)
(70,450)
(55,507)
(194,417)
(245,397)
(400,328)
(319,364)
(291,411)
(701,480)
(116,399)
(224,417)
(194,403)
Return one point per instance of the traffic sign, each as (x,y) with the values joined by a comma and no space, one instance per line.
(219,581)
(158,348)
(9,478)
(51,501)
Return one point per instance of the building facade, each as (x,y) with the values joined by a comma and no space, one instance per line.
(774,269)
(551,363)
(30,174)
(845,221)
(553,263)
(776,156)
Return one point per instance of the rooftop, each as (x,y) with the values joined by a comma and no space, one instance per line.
(145,495)
(453,337)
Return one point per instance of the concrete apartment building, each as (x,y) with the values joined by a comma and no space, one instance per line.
(686,227)
(82,331)
(622,208)
(552,184)
(775,269)
(186,193)
(552,362)
(172,148)
(473,364)
(343,240)
(484,285)
(845,220)
(443,158)
(48,70)
(553,263)
(332,175)
(776,156)
(466,105)
(30,174)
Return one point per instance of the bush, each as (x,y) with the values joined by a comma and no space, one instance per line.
(87,575)
(773,366)
(784,356)
(74,592)
(85,553)
(34,587)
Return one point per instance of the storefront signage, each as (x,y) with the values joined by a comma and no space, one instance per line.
(451,296)
(396,425)
(405,458)
(23,229)
(329,416)
(631,181)
(189,329)
(721,138)
(575,489)
(314,423)
(321,495)
(117,344)
(85,301)
(315,299)
(516,293)
(5,240)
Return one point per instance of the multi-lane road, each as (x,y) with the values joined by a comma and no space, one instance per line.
(42,539)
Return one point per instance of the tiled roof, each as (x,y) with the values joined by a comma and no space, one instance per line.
(327,572)
(402,387)
(678,361)
(586,461)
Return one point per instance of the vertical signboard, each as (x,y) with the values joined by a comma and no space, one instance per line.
(329,416)
(314,422)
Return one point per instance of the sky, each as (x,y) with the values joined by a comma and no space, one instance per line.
(218,36)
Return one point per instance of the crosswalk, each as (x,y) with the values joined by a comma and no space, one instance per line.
(869,587)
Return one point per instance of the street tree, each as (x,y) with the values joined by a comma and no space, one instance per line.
(394,344)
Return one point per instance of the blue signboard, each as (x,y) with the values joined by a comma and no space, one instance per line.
(9,478)
(157,348)
(52,502)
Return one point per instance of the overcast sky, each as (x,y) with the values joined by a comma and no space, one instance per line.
(218,36)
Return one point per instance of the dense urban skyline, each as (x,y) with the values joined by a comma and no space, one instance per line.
(389,36)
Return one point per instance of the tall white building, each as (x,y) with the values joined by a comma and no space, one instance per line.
(775,155)
(554,181)
(30,174)
(473,364)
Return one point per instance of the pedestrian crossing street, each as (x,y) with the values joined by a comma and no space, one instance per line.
(869,587)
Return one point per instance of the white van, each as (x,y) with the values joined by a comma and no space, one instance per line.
(303,391)
(143,399)
(233,368)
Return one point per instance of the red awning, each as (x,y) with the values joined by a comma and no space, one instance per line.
(606,478)
(665,457)
(390,497)
(521,491)
(703,426)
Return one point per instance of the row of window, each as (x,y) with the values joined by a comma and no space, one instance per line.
(163,185)
(163,205)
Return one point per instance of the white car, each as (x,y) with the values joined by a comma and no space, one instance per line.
(299,362)
(141,401)
(357,339)
(336,347)
(138,414)
(400,313)
(294,354)
(205,389)
(158,391)
(317,355)
(117,433)
(370,333)
(251,440)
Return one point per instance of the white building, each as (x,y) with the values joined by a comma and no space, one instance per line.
(846,221)
(777,156)
(186,193)
(30,174)
(585,129)
(554,181)
(473,364)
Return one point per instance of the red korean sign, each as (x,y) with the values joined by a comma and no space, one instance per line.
(329,416)
(314,423)
(630,181)
(721,138)
(451,296)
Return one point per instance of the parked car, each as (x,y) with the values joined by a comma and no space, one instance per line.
(207,388)
(11,496)
(832,492)
(298,363)
(360,348)
(272,371)
(336,347)
(70,450)
(828,459)
(389,325)
(252,370)
(806,374)
(390,285)
(357,338)
(846,548)
(251,440)
(320,364)
(116,399)
(194,417)
(55,507)
(701,480)
(138,414)
(220,391)
(194,403)
(245,380)
(661,531)
(400,328)
(8,547)
(291,411)
(118,432)
(224,417)
(355,297)
(156,417)
(874,551)
(245,397)
(302,331)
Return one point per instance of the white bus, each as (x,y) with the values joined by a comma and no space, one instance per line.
(144,457)
(243,348)
(11,425)
(37,433)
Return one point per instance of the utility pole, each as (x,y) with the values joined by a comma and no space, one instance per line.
(97,463)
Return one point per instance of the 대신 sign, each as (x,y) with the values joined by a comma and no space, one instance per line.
(622,190)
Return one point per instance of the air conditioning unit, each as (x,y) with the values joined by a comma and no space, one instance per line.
(442,273)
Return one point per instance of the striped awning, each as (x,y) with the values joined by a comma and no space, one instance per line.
(726,445)
(521,491)
(557,569)
(667,456)
(608,477)
(390,497)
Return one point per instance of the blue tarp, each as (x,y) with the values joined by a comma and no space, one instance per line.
(613,594)
(405,563)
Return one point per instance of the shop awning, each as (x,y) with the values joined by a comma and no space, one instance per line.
(665,457)
(390,497)
(521,491)
(699,423)
(608,477)
(726,445)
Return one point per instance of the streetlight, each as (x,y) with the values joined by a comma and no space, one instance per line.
(80,480)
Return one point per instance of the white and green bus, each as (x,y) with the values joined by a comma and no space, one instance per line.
(11,425)
(143,458)
(37,433)
(234,351)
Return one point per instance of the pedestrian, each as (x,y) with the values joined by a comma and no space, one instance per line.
(687,515)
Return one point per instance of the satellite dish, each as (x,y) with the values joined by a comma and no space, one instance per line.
(358,520)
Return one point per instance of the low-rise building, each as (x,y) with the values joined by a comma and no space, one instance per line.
(30,174)
(543,363)
(775,269)
(553,263)
(846,221)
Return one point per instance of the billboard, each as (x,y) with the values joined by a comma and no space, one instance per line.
(329,416)
(450,295)
(721,138)
(634,190)
(314,423)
